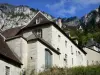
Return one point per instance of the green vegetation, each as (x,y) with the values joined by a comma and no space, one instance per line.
(84,36)
(91,30)
(89,70)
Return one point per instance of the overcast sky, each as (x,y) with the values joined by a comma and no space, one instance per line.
(59,8)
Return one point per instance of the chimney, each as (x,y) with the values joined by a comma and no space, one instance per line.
(59,22)
(91,39)
(76,42)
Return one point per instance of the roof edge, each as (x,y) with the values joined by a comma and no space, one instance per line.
(45,43)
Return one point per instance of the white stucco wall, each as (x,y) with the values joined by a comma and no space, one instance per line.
(46,33)
(20,47)
(37,52)
(32,56)
(41,57)
(56,43)
(27,34)
(13,69)
(92,56)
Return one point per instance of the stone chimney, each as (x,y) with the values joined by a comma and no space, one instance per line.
(76,42)
(59,22)
(91,39)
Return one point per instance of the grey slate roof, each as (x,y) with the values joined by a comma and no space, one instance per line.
(91,43)
(11,32)
(6,52)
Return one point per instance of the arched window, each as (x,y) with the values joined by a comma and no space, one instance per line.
(80,57)
(48,58)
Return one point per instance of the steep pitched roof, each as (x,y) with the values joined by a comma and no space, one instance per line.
(37,16)
(6,52)
(0,30)
(91,43)
(11,32)
(47,22)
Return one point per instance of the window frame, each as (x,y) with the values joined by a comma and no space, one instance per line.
(71,50)
(48,63)
(59,38)
(7,70)
(65,43)
(38,32)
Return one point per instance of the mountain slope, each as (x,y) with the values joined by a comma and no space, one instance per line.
(14,16)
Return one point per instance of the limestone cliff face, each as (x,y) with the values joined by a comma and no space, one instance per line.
(93,16)
(14,16)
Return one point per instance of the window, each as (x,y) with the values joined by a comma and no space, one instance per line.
(65,55)
(58,49)
(59,37)
(38,32)
(79,53)
(7,71)
(97,62)
(48,58)
(38,20)
(71,50)
(76,53)
(65,59)
(92,62)
(72,61)
(65,43)
(31,58)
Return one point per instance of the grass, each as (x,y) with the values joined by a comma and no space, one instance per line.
(89,70)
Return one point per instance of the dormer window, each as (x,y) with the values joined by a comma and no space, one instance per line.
(38,20)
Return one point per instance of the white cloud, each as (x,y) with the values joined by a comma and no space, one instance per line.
(56,5)
(86,2)
(62,7)
(59,8)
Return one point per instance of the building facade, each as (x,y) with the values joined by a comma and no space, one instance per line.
(43,44)
(9,63)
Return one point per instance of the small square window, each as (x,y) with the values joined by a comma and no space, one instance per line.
(58,49)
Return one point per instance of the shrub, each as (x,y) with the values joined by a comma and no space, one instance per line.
(89,70)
